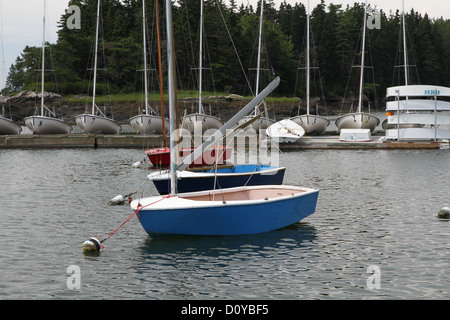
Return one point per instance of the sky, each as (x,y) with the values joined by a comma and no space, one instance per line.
(22,20)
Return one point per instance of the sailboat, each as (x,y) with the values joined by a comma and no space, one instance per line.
(201,119)
(262,121)
(7,125)
(359,119)
(233,211)
(416,112)
(96,121)
(312,124)
(149,122)
(46,122)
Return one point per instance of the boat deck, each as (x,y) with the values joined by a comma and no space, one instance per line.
(250,194)
(29,141)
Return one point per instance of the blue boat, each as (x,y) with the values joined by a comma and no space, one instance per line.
(233,211)
(219,178)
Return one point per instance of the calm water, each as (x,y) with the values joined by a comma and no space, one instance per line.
(376,208)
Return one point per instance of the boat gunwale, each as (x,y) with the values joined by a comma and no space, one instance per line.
(159,176)
(155,203)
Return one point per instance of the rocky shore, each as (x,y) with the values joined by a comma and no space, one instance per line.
(26,103)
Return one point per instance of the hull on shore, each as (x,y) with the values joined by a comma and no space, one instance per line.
(148,124)
(47,125)
(358,120)
(312,124)
(93,124)
(204,121)
(9,127)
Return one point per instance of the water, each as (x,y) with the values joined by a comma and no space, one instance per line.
(376,208)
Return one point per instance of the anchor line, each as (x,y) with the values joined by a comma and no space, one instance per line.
(135,212)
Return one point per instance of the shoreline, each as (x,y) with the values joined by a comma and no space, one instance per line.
(30,141)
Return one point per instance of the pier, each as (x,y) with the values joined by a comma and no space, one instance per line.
(30,141)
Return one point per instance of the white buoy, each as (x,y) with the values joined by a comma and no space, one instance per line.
(136,164)
(117,200)
(444,213)
(92,244)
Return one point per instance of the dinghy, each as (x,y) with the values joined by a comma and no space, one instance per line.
(285,131)
(234,211)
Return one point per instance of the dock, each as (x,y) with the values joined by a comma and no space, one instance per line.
(30,141)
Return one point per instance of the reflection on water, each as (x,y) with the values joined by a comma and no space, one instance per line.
(376,207)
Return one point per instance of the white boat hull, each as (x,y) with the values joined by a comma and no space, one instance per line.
(285,131)
(259,124)
(205,121)
(148,124)
(93,124)
(7,126)
(312,124)
(47,125)
(358,120)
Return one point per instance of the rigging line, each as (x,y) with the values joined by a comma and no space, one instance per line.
(314,49)
(234,47)
(373,72)
(295,167)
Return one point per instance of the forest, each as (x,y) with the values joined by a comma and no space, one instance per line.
(230,49)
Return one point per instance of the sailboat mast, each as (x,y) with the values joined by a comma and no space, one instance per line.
(145,58)
(95,57)
(171,84)
(200,63)
(161,90)
(307,62)
(43,62)
(405,55)
(259,47)
(363,48)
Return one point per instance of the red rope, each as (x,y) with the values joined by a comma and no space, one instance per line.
(139,208)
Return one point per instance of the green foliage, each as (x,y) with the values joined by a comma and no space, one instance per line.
(335,34)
